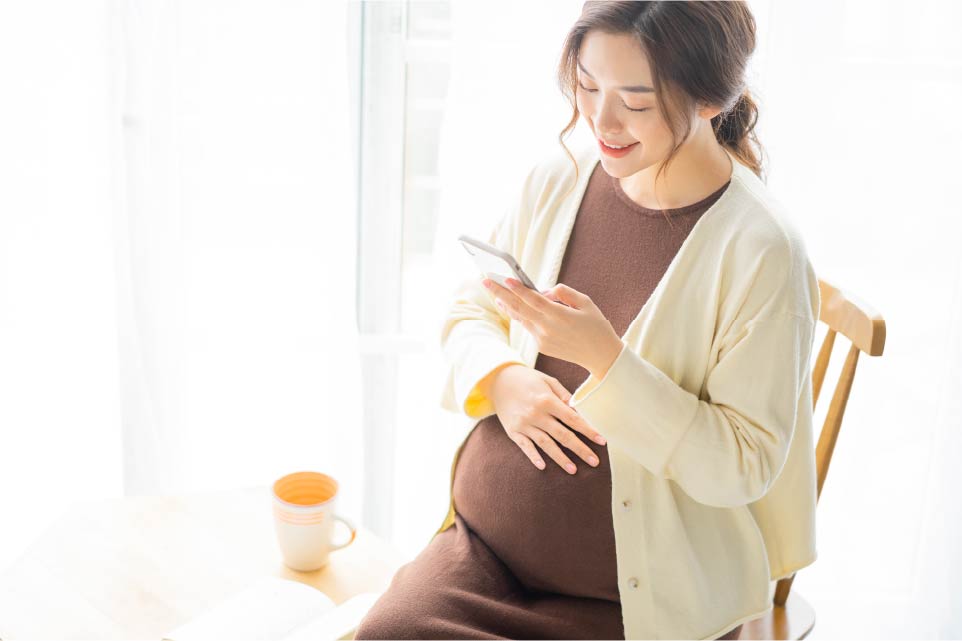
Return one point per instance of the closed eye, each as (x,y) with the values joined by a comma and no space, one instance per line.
(594,90)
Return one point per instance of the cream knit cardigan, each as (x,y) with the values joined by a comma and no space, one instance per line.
(707,410)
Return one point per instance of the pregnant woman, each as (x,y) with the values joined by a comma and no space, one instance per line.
(642,465)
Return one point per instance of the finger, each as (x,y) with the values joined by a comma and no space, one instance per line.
(498,291)
(509,302)
(569,439)
(571,296)
(525,322)
(526,295)
(549,447)
(529,449)
(552,295)
(576,421)
(559,389)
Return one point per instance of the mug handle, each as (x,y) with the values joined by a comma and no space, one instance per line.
(350,524)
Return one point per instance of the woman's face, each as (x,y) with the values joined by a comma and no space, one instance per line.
(615,98)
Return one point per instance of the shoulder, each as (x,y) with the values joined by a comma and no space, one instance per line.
(762,219)
(766,245)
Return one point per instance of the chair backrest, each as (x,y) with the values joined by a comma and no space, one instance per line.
(844,314)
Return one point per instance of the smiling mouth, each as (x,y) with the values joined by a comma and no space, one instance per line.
(616,147)
(615,152)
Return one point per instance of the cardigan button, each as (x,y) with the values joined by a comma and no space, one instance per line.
(633,583)
(626,504)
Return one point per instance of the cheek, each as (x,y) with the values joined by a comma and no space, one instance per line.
(584,106)
(649,128)
(657,125)
(658,133)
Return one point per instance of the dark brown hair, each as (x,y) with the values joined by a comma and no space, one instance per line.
(698,53)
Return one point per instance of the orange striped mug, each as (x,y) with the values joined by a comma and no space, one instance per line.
(304,516)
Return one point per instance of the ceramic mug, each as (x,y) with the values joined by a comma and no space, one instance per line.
(304,506)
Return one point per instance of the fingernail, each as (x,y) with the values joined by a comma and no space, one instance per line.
(570,467)
(600,440)
(540,464)
(592,460)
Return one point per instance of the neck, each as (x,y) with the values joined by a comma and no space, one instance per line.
(700,167)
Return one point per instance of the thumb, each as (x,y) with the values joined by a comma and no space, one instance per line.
(564,294)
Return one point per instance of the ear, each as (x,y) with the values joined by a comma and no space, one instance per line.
(707,111)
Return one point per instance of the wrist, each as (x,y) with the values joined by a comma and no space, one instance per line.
(487,384)
(605,357)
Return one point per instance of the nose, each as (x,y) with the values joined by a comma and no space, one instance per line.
(607,124)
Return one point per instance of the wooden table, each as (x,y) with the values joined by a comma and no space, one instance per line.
(139,567)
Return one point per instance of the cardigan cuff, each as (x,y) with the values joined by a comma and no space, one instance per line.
(475,349)
(661,411)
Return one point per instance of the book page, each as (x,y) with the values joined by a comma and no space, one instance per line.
(267,609)
(340,622)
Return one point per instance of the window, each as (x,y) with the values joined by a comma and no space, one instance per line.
(403,67)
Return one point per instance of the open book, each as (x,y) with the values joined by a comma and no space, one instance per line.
(276,608)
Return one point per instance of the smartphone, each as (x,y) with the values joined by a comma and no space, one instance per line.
(495,263)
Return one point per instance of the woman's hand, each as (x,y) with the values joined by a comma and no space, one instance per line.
(576,331)
(530,404)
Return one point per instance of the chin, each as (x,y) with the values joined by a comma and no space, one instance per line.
(621,170)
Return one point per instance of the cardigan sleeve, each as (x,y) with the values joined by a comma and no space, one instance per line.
(474,333)
(724,451)
(474,342)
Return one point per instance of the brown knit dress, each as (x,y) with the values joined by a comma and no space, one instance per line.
(531,554)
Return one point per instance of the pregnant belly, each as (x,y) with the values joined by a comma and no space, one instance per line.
(552,529)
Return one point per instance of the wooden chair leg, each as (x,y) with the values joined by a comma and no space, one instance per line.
(782,588)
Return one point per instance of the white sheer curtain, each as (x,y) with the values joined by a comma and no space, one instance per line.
(857,117)
(177,227)
(60,434)
(857,97)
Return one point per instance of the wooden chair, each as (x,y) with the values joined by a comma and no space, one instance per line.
(792,617)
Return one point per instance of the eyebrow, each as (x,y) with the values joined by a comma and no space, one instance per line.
(633,88)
